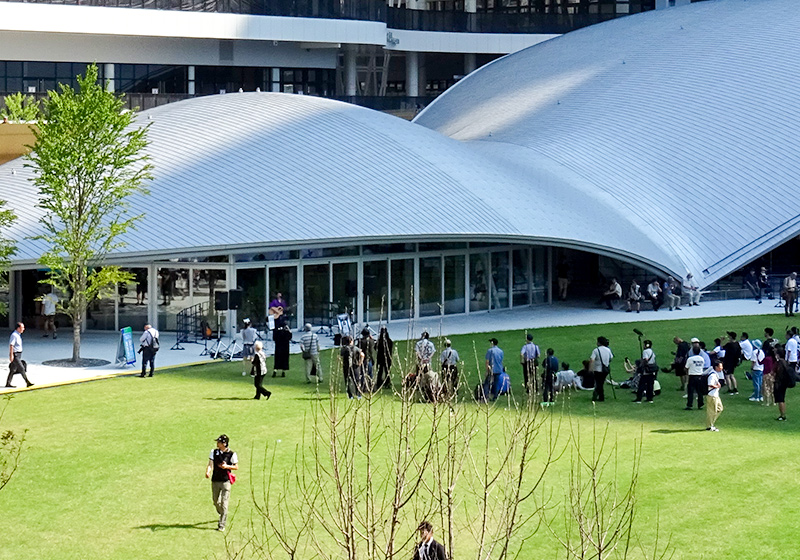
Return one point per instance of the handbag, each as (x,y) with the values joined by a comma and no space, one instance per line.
(231,477)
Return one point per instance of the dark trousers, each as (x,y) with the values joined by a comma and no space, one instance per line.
(17,367)
(148,356)
(354,379)
(258,381)
(646,387)
(755,290)
(450,377)
(548,393)
(529,374)
(655,301)
(383,375)
(599,386)
(789,307)
(608,298)
(697,384)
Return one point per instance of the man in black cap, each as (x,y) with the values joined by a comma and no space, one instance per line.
(221,462)
(529,358)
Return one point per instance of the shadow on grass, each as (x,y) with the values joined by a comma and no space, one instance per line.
(229,399)
(677,431)
(200,526)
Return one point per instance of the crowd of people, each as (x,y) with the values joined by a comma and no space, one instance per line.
(659,293)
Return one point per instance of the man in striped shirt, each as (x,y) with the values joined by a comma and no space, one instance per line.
(309,343)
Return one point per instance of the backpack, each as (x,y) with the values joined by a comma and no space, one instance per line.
(154,344)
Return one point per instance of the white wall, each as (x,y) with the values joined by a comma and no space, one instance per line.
(484,43)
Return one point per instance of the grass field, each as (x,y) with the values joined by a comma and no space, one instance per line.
(114,469)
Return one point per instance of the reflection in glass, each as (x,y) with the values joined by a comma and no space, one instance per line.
(478,282)
(430,286)
(283,280)
(539,275)
(402,286)
(345,287)
(133,300)
(173,296)
(253,283)
(454,284)
(499,283)
(376,290)
(521,280)
(316,294)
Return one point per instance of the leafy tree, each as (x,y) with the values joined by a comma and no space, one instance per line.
(88,160)
(20,108)
(10,450)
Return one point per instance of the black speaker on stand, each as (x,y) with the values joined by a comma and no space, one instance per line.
(235,299)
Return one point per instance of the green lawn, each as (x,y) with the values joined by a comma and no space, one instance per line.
(114,468)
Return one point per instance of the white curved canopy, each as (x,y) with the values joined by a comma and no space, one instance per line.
(685,120)
(254,170)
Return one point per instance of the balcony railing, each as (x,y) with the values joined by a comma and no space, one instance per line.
(366,10)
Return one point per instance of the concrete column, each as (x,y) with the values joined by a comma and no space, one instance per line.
(412,74)
(190,75)
(108,70)
(350,73)
(423,75)
(470,63)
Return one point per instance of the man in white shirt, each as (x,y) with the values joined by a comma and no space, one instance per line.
(746,346)
(714,406)
(425,351)
(449,360)
(148,346)
(15,365)
(249,335)
(49,303)
(600,364)
(696,385)
(613,293)
(789,293)
(653,294)
(790,354)
(758,371)
(691,287)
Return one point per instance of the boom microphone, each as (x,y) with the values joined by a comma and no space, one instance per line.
(638,332)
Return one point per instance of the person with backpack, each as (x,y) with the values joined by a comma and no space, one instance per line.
(757,373)
(148,346)
(221,461)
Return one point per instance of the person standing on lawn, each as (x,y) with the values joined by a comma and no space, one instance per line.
(714,404)
(733,356)
(259,369)
(221,462)
(600,364)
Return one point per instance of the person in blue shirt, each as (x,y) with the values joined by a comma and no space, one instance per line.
(550,369)
(494,365)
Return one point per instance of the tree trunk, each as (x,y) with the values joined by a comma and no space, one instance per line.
(76,337)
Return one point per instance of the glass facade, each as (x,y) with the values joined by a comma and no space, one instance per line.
(499,280)
(522,280)
(402,301)
(454,268)
(478,282)
(316,294)
(173,295)
(253,283)
(376,290)
(283,280)
(430,286)
(345,287)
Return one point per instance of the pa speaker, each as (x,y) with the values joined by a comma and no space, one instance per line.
(235,299)
(351,288)
(220,301)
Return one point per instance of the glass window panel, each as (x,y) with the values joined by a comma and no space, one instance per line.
(64,70)
(430,286)
(521,280)
(329,252)
(204,284)
(100,314)
(389,248)
(133,300)
(454,284)
(478,282)
(402,272)
(173,294)
(539,275)
(14,69)
(423,247)
(14,84)
(40,69)
(283,280)
(316,294)
(499,285)
(345,287)
(253,283)
(376,291)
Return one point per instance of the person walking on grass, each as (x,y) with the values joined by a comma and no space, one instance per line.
(15,364)
(601,366)
(714,404)
(259,369)
(221,462)
(309,345)
(249,336)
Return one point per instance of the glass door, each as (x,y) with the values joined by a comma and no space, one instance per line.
(283,286)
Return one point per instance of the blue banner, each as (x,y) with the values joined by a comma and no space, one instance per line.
(127,344)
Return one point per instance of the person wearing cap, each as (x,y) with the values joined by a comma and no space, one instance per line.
(692,288)
(449,360)
(494,365)
(789,293)
(249,335)
(697,344)
(757,373)
(148,346)
(309,345)
(221,462)
(695,368)
(714,406)
(733,355)
(529,358)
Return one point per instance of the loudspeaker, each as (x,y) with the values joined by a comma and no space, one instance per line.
(370,284)
(220,301)
(235,299)
(351,288)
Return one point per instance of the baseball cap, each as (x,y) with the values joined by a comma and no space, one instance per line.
(493,341)
(529,337)
(223,438)
(447,341)
(695,339)
(246,321)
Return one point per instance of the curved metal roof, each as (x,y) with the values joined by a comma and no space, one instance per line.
(684,120)
(247,170)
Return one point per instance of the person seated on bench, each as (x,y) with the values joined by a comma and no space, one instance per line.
(613,293)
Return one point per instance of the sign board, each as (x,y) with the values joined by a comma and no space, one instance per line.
(126,355)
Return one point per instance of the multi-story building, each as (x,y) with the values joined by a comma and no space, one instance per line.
(384,55)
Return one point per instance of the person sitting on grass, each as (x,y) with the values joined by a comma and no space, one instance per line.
(568,379)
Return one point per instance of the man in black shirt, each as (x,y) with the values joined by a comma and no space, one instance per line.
(733,355)
(427,548)
(221,462)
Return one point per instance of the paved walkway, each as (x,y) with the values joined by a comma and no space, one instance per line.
(104,345)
